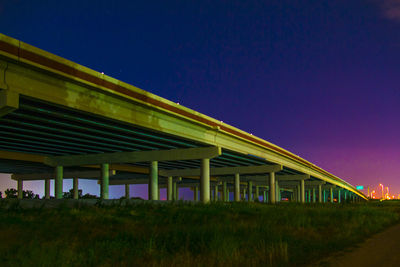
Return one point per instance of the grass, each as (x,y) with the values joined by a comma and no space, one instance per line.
(185,234)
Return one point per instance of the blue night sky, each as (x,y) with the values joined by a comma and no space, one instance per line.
(319,78)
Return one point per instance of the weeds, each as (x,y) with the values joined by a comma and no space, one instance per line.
(184,234)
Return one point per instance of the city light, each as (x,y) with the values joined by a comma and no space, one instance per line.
(384,195)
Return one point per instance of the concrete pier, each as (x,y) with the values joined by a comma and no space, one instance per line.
(272,193)
(196,193)
(127,193)
(236,192)
(104,181)
(174,193)
(250,189)
(58,183)
(224,191)
(153,181)
(20,191)
(205,181)
(314,197)
(47,189)
(75,188)
(320,193)
(257,194)
(170,189)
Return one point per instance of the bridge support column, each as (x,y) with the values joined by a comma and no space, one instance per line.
(324,196)
(272,193)
(20,184)
(205,181)
(244,194)
(277,192)
(265,196)
(196,193)
(216,193)
(58,182)
(303,197)
(236,193)
(153,182)
(320,193)
(224,191)
(47,189)
(174,187)
(345,195)
(309,195)
(339,196)
(331,194)
(314,197)
(104,180)
(298,197)
(127,193)
(257,196)
(75,188)
(250,189)
(170,190)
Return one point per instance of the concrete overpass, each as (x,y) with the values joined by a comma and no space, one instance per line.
(60,120)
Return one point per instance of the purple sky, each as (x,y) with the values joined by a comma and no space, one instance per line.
(319,78)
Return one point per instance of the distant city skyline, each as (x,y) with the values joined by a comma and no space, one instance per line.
(318,78)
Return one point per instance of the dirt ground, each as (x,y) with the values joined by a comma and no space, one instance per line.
(382,249)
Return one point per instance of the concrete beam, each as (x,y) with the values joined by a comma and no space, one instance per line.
(48,175)
(123,167)
(129,181)
(306,183)
(296,177)
(136,156)
(225,170)
(21,156)
(328,187)
(9,101)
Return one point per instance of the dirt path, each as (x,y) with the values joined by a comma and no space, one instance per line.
(382,249)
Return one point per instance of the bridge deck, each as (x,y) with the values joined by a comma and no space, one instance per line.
(50,106)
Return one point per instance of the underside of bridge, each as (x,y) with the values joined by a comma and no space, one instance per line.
(61,120)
